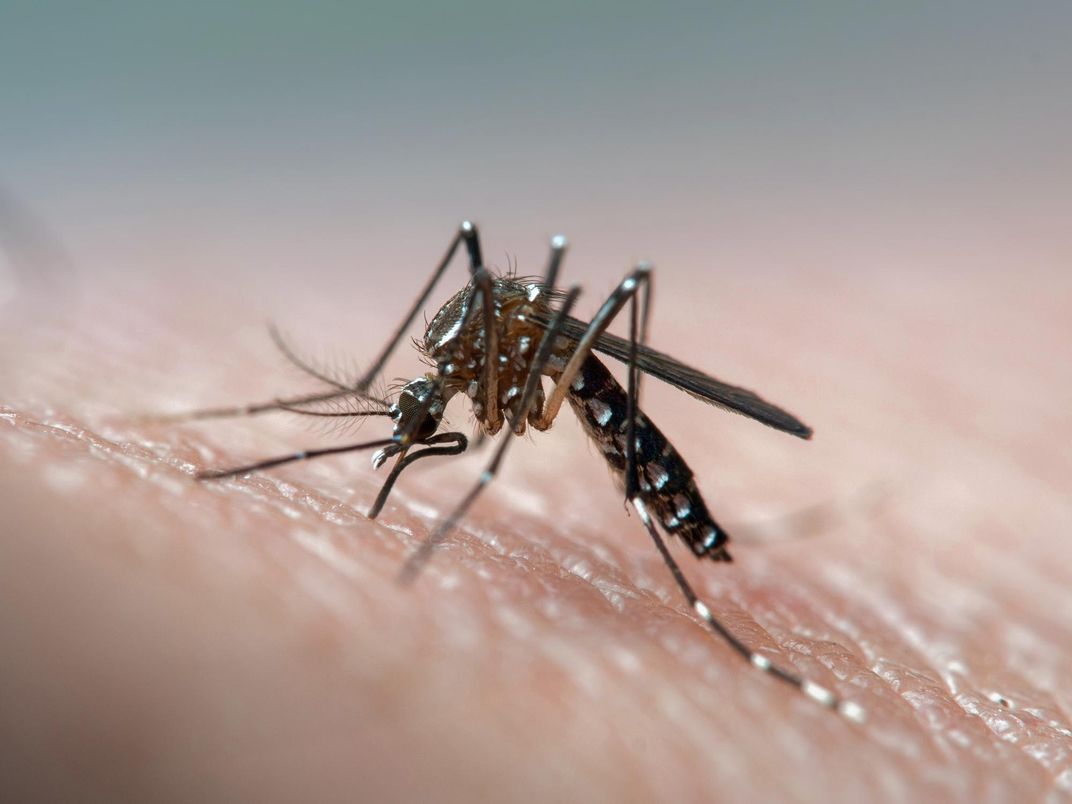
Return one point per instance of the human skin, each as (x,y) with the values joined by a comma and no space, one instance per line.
(167,639)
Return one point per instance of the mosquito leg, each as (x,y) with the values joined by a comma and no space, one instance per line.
(558,251)
(637,334)
(491,413)
(816,692)
(484,285)
(602,319)
(547,290)
(460,445)
(219,474)
(467,233)
(413,566)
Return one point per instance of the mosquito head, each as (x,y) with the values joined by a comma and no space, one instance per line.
(419,409)
(416,413)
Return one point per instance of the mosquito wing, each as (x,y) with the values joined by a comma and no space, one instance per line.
(692,381)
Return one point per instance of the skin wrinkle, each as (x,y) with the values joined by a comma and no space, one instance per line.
(274,651)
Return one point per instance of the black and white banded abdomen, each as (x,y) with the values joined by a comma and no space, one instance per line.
(667,487)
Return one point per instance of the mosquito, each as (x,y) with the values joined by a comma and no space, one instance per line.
(494,341)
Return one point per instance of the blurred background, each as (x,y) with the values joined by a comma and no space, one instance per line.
(313,140)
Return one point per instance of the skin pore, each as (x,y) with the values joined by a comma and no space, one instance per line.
(247,639)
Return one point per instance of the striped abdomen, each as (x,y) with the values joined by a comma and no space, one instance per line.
(667,487)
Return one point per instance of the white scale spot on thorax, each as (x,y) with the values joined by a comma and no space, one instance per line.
(534,292)
(578,383)
(682,504)
(450,334)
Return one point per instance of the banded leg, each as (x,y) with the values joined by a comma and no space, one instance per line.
(816,692)
(416,561)
(638,323)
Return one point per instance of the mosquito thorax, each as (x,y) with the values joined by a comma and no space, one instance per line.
(455,343)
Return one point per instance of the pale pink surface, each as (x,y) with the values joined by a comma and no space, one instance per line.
(165,639)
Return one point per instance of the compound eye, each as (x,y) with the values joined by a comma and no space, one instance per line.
(408,405)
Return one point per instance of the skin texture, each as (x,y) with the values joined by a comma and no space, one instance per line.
(166,639)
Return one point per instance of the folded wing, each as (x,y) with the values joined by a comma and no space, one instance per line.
(695,382)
